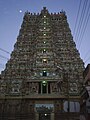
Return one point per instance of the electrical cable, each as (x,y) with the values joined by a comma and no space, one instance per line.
(81,19)
(1,56)
(87,59)
(4,51)
(84,25)
(88,52)
(77,17)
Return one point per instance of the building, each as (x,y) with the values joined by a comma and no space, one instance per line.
(85,104)
(43,78)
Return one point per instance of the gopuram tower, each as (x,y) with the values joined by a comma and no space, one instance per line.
(44,75)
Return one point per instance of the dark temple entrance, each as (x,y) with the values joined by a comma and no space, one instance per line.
(44,116)
(44,111)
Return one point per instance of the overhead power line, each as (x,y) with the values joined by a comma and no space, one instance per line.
(86,55)
(86,20)
(1,56)
(4,51)
(87,59)
(81,19)
(77,17)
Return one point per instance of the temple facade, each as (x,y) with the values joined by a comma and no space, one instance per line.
(44,75)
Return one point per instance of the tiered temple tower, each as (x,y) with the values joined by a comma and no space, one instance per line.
(44,76)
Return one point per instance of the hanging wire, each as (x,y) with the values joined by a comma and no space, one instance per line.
(81,20)
(86,55)
(87,59)
(4,51)
(1,56)
(77,17)
(86,20)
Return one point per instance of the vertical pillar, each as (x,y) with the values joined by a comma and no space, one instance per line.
(47,88)
(52,116)
(61,105)
(37,116)
(41,88)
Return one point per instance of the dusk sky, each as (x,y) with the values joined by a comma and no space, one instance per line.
(11,17)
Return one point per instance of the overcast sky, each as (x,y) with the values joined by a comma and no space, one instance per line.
(11,16)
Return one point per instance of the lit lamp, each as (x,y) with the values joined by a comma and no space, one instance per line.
(44,60)
(44,34)
(44,83)
(44,28)
(44,51)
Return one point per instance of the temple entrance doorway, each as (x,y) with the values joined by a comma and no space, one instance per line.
(44,116)
(44,111)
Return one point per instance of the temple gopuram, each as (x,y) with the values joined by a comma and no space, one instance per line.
(43,78)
